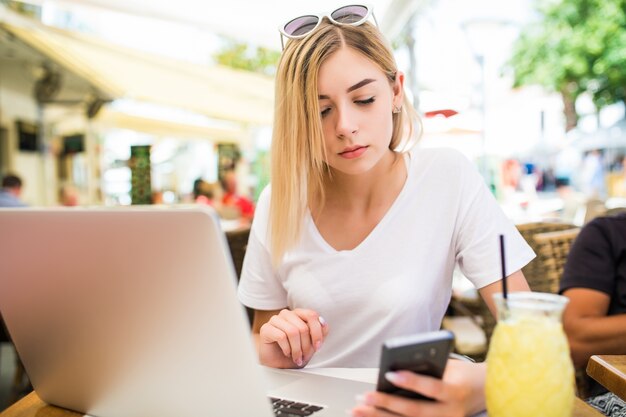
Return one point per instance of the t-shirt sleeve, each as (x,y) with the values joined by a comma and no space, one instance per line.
(260,287)
(480,222)
(590,262)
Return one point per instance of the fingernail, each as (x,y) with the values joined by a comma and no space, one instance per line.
(322,321)
(299,362)
(368,399)
(394,378)
(318,345)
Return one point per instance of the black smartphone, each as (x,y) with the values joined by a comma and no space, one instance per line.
(425,353)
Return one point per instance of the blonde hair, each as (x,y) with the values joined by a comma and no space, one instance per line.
(298,167)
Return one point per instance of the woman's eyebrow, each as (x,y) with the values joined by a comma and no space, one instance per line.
(360,84)
(351,88)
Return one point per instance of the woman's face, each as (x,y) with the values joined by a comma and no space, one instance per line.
(356,102)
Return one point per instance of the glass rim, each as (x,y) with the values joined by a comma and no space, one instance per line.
(532,300)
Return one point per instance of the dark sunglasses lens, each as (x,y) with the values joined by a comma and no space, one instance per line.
(301,25)
(349,14)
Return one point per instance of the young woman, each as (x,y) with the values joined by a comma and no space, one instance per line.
(356,239)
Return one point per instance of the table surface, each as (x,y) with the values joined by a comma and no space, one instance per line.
(33,406)
(610,371)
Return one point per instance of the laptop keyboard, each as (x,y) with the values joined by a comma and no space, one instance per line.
(286,408)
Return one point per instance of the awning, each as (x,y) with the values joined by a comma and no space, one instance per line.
(112,119)
(214,91)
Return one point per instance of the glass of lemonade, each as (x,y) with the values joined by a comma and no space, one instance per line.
(529,369)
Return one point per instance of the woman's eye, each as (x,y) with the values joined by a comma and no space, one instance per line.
(325,111)
(366,101)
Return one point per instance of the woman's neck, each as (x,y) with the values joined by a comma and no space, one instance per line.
(385,180)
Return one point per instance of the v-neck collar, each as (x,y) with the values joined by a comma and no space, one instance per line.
(317,236)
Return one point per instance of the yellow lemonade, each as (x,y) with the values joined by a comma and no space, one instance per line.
(529,369)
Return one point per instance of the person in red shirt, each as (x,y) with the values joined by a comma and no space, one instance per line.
(232,199)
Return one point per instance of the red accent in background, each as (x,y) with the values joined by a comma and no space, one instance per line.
(442,112)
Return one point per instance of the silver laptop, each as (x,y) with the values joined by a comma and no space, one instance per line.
(132,312)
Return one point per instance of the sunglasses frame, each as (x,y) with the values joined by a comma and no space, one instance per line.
(320,17)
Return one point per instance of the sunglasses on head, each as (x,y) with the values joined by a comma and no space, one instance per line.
(352,15)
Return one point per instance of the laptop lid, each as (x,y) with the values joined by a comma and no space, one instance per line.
(128,312)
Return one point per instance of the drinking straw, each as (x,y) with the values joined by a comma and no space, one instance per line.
(502,263)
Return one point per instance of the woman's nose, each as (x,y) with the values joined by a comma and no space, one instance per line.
(346,124)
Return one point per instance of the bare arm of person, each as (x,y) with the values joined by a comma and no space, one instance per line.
(589,330)
(288,338)
(515,282)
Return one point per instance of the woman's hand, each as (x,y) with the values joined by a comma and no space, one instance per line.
(461,392)
(290,338)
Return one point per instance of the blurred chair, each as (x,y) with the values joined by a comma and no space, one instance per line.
(469,336)
(238,243)
(20,383)
(552,251)
(615,210)
(594,208)
(535,270)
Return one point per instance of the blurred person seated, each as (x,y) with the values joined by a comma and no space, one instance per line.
(592,175)
(69,196)
(11,191)
(232,199)
(594,280)
(573,202)
(206,193)
(618,188)
(157,197)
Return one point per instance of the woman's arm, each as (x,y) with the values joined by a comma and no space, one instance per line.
(515,282)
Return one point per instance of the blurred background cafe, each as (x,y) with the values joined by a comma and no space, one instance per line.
(115,103)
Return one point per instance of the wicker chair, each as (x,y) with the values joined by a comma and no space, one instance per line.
(615,211)
(535,271)
(552,250)
(594,208)
(238,243)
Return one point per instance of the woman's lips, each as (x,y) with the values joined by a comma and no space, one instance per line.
(352,153)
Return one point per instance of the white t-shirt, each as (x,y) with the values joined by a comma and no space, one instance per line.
(398,280)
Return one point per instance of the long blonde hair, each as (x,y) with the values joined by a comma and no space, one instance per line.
(298,153)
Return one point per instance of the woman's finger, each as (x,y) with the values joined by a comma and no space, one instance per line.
(292,333)
(317,326)
(272,334)
(426,385)
(303,334)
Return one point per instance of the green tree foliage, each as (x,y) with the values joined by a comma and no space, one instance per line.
(241,56)
(576,46)
(31,10)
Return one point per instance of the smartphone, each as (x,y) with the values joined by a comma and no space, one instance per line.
(425,353)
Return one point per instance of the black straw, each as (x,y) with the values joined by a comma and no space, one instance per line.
(502,263)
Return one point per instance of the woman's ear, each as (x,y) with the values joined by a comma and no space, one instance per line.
(398,90)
